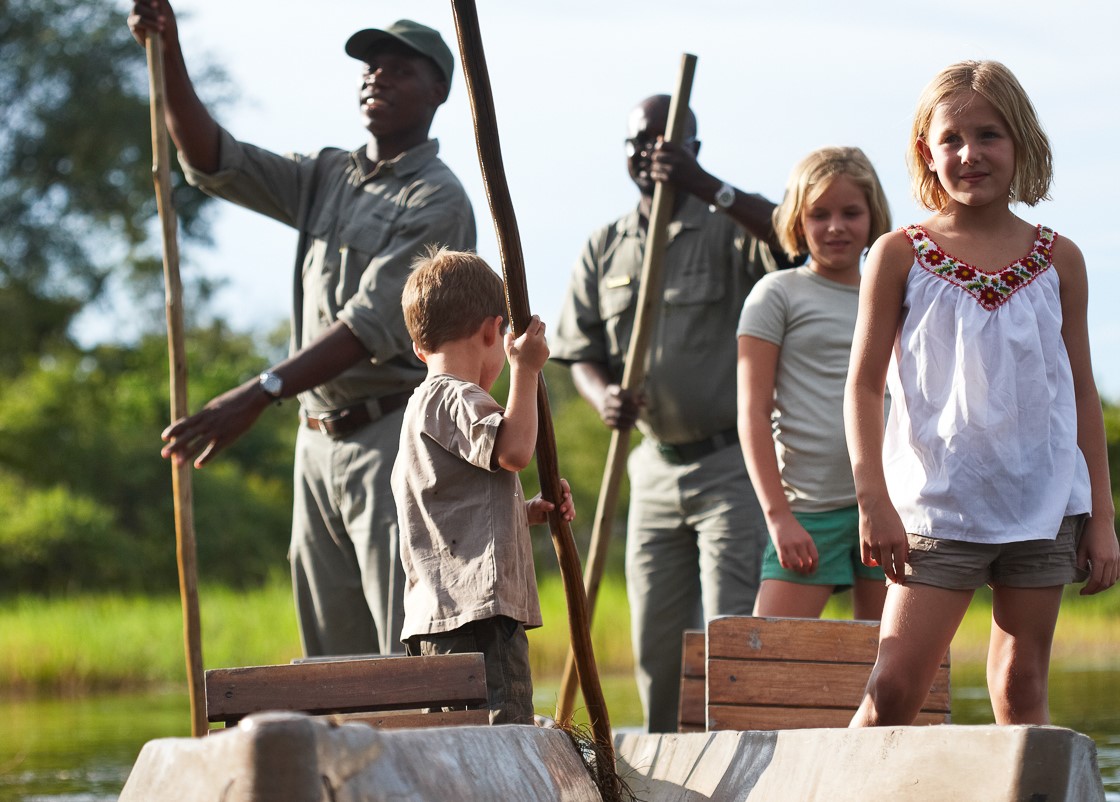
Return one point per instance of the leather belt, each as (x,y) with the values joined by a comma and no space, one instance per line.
(344,422)
(684,453)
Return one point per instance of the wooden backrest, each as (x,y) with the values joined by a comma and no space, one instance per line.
(368,689)
(690,714)
(793,673)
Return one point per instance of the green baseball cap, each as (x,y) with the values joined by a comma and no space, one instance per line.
(424,40)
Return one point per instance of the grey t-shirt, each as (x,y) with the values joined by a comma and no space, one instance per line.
(812,320)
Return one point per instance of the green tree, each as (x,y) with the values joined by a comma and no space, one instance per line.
(76,199)
(86,496)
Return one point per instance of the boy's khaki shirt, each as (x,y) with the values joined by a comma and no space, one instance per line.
(464,531)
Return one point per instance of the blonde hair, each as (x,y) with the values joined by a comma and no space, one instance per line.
(448,295)
(811,177)
(1034,169)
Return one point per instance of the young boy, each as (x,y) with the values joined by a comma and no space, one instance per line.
(464,520)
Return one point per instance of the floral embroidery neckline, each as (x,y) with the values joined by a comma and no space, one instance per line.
(991,290)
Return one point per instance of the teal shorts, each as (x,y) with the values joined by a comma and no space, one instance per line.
(836,534)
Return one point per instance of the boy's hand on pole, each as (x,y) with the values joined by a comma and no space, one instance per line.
(538,509)
(530,350)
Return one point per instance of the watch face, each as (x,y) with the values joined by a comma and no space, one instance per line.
(271,384)
(725,196)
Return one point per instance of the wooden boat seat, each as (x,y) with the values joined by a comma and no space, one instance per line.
(389,691)
(691,714)
(796,673)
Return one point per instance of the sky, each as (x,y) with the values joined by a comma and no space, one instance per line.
(773,82)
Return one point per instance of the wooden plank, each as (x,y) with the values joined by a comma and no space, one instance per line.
(347,686)
(748,637)
(692,704)
(801,684)
(737,717)
(786,683)
(750,717)
(693,653)
(400,719)
(790,673)
(690,711)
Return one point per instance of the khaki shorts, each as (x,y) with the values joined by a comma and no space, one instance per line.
(957,565)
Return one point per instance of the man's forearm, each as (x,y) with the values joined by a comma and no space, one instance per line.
(194,131)
(591,381)
(332,352)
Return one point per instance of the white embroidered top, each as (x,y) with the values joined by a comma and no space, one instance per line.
(981,439)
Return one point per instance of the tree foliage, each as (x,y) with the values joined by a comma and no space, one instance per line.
(87,498)
(76,200)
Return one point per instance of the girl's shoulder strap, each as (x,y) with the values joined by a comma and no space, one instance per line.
(924,247)
(918,236)
(1042,252)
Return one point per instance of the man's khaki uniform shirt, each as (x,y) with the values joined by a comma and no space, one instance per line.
(359,233)
(710,265)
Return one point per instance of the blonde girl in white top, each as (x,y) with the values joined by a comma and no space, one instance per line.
(993,468)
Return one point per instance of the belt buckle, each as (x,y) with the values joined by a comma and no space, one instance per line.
(333,423)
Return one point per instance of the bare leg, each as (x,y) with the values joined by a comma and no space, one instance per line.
(776,597)
(1023,621)
(868,596)
(919,622)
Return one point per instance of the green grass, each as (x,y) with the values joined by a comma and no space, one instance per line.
(97,642)
(100,642)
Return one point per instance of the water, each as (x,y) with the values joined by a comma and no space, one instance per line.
(81,750)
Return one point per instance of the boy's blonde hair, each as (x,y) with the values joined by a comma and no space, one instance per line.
(811,177)
(995,83)
(448,296)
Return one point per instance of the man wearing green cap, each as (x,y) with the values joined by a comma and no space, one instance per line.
(362,216)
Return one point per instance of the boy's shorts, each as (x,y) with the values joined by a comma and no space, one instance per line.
(505,648)
(957,565)
(836,534)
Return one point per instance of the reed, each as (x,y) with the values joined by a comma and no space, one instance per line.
(83,644)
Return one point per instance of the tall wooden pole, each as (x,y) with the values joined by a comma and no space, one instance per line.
(634,372)
(177,361)
(517,298)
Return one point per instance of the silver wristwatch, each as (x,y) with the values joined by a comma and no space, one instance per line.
(272,384)
(725,196)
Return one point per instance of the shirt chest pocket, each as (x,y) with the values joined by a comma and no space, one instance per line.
(618,301)
(359,242)
(692,312)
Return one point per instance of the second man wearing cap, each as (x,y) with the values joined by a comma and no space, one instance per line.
(362,216)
